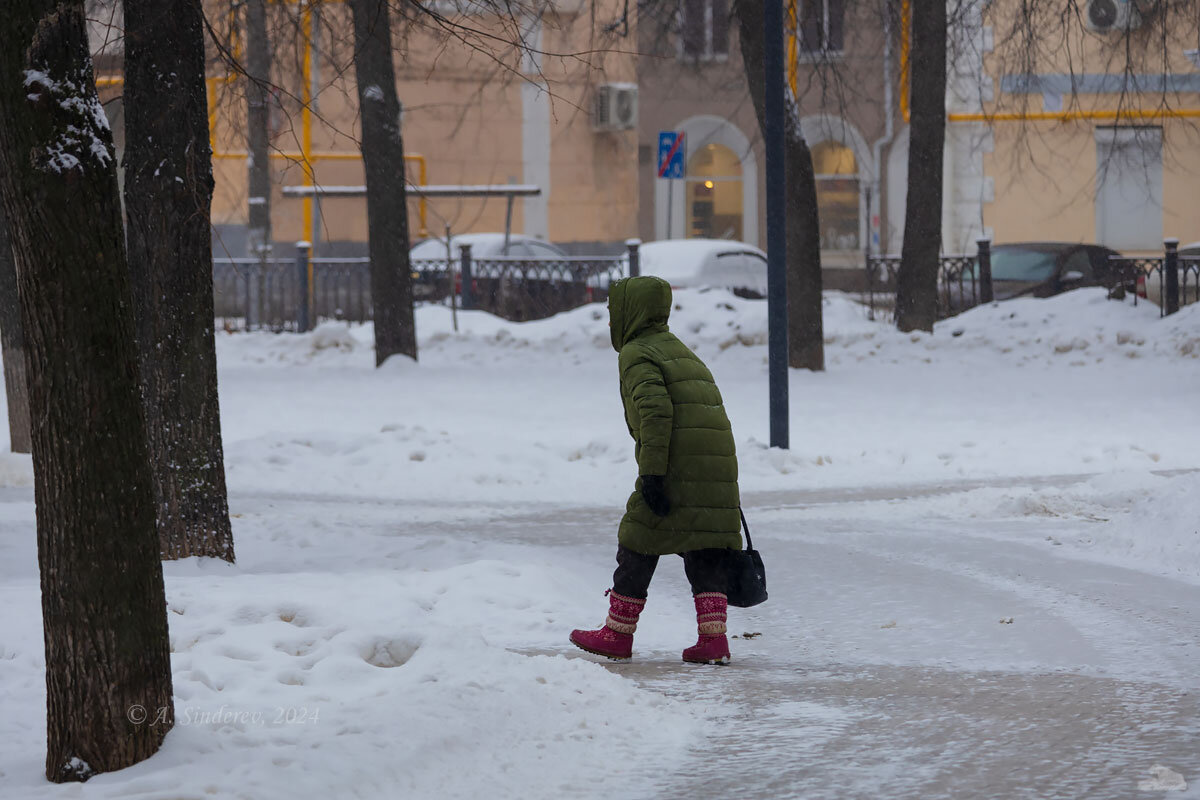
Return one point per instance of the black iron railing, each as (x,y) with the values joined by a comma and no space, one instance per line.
(275,294)
(1171,281)
(961,283)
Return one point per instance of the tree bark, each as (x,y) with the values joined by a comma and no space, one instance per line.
(12,343)
(916,282)
(806,338)
(258,70)
(383,161)
(103,605)
(168,194)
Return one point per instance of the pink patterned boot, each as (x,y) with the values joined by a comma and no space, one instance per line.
(713,647)
(615,639)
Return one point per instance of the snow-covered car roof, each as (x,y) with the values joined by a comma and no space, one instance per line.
(483,245)
(687,263)
(1192,249)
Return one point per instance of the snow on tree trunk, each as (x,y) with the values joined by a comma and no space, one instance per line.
(383,160)
(108,668)
(806,338)
(916,283)
(12,343)
(168,195)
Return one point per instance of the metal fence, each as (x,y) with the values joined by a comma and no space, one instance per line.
(269,294)
(1170,281)
(960,284)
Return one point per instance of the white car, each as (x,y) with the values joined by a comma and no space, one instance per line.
(486,245)
(695,263)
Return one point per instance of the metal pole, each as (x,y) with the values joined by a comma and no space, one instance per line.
(468,291)
(450,275)
(1171,275)
(777,343)
(986,294)
(508,224)
(635,259)
(302,273)
(670,203)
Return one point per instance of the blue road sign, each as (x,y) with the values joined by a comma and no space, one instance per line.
(670,154)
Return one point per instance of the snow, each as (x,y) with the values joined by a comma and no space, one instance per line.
(697,263)
(75,144)
(415,542)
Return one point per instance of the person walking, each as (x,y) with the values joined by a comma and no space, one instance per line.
(685,500)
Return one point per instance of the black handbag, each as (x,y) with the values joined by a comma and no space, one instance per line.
(747,578)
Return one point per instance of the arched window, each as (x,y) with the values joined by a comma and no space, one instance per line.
(837,195)
(714,194)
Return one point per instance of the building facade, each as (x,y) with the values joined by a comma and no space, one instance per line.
(1077,126)
(692,81)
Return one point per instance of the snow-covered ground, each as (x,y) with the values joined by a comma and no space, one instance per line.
(1004,509)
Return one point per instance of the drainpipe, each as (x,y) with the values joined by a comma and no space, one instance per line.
(889,112)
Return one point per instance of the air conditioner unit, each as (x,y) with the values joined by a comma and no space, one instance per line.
(1105,16)
(615,107)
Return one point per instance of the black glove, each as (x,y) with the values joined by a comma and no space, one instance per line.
(654,492)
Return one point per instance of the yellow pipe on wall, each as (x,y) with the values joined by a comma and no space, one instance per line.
(1070,116)
(793,50)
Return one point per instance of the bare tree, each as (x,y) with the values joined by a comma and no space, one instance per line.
(168,194)
(258,70)
(383,161)
(916,283)
(806,339)
(103,604)
(12,342)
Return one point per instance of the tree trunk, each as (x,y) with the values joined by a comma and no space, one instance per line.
(806,338)
(108,667)
(168,194)
(258,70)
(383,161)
(12,343)
(916,283)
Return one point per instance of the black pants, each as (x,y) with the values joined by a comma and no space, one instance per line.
(706,570)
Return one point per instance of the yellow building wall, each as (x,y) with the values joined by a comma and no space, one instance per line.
(1043,163)
(462,114)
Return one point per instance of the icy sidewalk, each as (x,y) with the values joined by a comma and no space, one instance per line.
(406,650)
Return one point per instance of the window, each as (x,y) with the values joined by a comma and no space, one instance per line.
(1078,262)
(1129,187)
(704,29)
(822,25)
(837,195)
(714,194)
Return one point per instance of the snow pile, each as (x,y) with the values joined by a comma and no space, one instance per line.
(16,469)
(341,664)
(1156,525)
(1079,325)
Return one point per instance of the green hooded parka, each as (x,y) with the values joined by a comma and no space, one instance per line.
(675,415)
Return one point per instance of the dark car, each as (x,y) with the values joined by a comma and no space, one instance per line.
(1035,269)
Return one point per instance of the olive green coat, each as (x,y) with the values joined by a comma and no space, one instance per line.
(678,423)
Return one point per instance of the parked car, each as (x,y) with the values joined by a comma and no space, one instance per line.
(1037,269)
(435,284)
(693,263)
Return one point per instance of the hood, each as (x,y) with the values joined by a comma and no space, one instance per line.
(637,306)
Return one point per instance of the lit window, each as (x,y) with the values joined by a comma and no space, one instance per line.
(714,194)
(837,195)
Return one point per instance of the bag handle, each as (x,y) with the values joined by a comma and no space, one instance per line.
(749,542)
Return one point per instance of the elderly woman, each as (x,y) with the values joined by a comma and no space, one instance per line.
(686,499)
